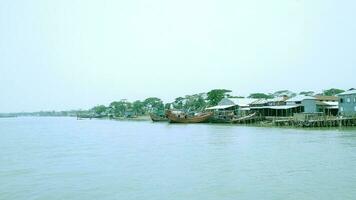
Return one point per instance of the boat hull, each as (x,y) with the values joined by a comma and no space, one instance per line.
(182,118)
(157,118)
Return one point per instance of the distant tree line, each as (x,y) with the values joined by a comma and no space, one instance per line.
(189,103)
(194,102)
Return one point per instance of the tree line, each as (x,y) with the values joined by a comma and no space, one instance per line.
(189,103)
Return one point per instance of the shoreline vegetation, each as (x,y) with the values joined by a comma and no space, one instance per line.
(190,105)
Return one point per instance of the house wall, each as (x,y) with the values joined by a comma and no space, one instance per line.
(309,106)
(347,108)
(293,102)
(268,112)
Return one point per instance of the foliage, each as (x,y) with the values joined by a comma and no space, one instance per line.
(118,108)
(260,96)
(153,104)
(307,93)
(232,96)
(216,95)
(167,106)
(282,93)
(99,110)
(138,107)
(195,102)
(332,92)
(178,103)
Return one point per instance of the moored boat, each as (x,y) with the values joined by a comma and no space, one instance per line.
(181,117)
(158,118)
(225,116)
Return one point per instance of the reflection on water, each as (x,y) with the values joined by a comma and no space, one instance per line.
(63,158)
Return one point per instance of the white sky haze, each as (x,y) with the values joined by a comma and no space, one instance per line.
(70,54)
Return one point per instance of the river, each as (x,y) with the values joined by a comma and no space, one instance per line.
(64,158)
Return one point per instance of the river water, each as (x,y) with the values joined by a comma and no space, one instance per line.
(65,158)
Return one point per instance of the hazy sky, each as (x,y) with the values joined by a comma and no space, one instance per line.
(78,53)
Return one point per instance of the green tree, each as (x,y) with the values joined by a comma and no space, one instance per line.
(260,96)
(307,93)
(153,104)
(216,95)
(232,96)
(167,106)
(178,103)
(195,102)
(284,93)
(118,108)
(138,107)
(99,110)
(332,92)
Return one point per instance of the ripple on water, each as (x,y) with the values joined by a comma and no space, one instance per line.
(63,158)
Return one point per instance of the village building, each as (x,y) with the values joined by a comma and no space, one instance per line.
(323,105)
(259,102)
(280,107)
(277,101)
(347,103)
(233,104)
(277,107)
(228,108)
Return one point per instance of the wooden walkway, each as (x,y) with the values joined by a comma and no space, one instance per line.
(249,119)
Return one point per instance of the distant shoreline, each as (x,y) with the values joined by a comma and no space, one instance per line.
(146,118)
(139,118)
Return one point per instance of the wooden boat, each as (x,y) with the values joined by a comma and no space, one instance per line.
(181,117)
(158,118)
(222,116)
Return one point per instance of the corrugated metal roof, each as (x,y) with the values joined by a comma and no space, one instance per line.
(331,103)
(277,107)
(347,92)
(300,98)
(326,98)
(264,101)
(277,99)
(219,107)
(242,102)
(260,101)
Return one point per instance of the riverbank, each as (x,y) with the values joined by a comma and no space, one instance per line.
(138,118)
(8,116)
(262,122)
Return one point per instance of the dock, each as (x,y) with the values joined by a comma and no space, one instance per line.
(315,123)
(298,120)
(249,119)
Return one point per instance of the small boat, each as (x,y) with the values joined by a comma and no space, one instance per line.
(181,117)
(223,116)
(158,118)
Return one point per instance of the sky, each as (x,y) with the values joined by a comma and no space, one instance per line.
(75,54)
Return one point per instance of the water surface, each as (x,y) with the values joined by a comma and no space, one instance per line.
(65,158)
